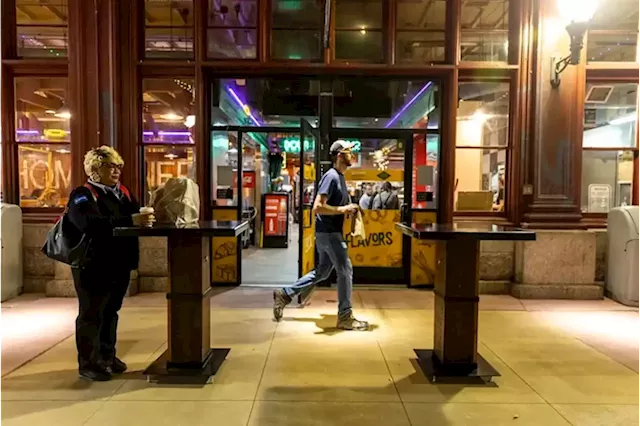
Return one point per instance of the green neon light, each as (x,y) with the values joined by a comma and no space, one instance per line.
(292,145)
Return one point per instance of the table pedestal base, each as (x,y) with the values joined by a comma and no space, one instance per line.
(163,371)
(435,371)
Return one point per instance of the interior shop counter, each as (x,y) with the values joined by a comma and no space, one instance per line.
(189,358)
(455,345)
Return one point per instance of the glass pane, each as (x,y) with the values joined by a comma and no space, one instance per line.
(41,111)
(42,42)
(44,174)
(484,31)
(369,103)
(296,31)
(425,171)
(607,180)
(621,47)
(233,31)
(360,45)
(265,102)
(483,114)
(613,32)
(233,14)
(236,43)
(168,13)
(42,28)
(420,47)
(480,179)
(171,43)
(297,14)
(375,181)
(420,31)
(224,168)
(358,14)
(165,162)
(296,44)
(168,111)
(610,116)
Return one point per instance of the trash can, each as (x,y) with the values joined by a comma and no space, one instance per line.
(11,237)
(622,255)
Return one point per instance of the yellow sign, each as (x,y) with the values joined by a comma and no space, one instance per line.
(54,133)
(308,240)
(423,254)
(382,245)
(224,252)
(309,172)
(373,175)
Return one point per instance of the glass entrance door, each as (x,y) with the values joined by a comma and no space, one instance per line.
(377,181)
(306,193)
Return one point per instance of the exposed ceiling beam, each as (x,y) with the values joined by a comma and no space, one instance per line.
(54,10)
(26,12)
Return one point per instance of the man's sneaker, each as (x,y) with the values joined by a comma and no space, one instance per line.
(95,374)
(348,322)
(280,300)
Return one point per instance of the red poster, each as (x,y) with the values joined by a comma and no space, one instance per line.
(419,159)
(275,215)
(248,180)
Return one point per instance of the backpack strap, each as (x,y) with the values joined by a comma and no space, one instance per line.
(93,190)
(125,192)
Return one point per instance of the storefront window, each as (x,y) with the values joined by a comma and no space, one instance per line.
(613,32)
(359,35)
(265,102)
(168,118)
(42,28)
(420,31)
(296,29)
(481,146)
(43,138)
(484,31)
(610,122)
(400,104)
(232,29)
(168,28)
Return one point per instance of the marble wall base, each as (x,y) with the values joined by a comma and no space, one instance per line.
(560,264)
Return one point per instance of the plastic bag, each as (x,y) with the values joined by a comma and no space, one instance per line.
(177,202)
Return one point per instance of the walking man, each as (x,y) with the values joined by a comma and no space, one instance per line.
(332,203)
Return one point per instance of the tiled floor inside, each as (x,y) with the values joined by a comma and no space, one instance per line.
(562,363)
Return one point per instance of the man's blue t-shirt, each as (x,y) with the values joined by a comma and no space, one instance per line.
(333,185)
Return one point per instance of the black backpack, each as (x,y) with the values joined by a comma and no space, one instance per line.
(61,246)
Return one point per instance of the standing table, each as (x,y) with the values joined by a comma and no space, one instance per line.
(455,342)
(189,358)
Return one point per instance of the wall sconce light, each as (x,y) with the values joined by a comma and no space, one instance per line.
(578,14)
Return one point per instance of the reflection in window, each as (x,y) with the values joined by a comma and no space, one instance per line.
(168,28)
(224,168)
(610,117)
(265,102)
(42,28)
(607,180)
(168,120)
(296,29)
(420,27)
(42,134)
(232,29)
(359,34)
(480,180)
(484,31)
(425,167)
(403,104)
(483,114)
(613,32)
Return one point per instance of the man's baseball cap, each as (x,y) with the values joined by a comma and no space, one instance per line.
(340,146)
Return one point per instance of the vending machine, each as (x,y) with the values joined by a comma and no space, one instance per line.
(275,220)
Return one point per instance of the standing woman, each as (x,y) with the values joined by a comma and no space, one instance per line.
(94,210)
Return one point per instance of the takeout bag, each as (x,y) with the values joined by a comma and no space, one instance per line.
(357,225)
(177,202)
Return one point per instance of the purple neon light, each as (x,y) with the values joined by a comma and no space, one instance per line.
(408,104)
(27,132)
(169,133)
(242,105)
